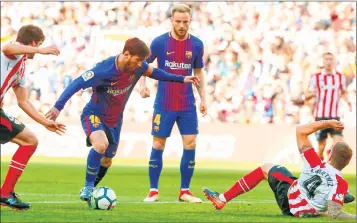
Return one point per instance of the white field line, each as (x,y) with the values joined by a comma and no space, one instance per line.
(128,200)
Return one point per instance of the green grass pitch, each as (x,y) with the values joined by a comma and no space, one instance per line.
(53,190)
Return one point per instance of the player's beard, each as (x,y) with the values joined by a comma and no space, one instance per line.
(181,33)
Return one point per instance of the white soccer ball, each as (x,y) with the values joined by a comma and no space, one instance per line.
(104,198)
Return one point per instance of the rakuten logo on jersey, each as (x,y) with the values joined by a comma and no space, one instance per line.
(116,92)
(177,66)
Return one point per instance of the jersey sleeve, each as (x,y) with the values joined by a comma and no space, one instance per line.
(338,191)
(311,159)
(91,78)
(312,84)
(154,48)
(198,62)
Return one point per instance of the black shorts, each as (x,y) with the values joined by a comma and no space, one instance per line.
(323,134)
(9,127)
(280,180)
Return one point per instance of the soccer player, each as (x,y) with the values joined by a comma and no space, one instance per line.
(327,87)
(178,52)
(112,81)
(13,57)
(319,188)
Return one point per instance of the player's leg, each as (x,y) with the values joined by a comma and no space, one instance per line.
(162,124)
(13,130)
(106,162)
(243,185)
(96,137)
(188,125)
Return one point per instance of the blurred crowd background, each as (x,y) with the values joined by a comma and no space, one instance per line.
(258,56)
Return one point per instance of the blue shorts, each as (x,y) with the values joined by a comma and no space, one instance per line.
(91,123)
(163,122)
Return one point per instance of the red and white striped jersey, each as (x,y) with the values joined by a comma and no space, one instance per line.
(12,72)
(328,89)
(318,183)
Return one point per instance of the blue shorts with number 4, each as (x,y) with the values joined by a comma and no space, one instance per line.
(163,122)
(91,123)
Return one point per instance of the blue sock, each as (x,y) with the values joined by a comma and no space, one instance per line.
(155,167)
(187,167)
(93,164)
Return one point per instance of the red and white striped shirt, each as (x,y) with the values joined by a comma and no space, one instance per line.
(318,183)
(12,72)
(328,89)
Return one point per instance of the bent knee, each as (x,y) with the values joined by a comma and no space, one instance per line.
(100,146)
(106,162)
(159,143)
(266,168)
(31,140)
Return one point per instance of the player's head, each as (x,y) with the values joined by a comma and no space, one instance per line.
(30,35)
(181,20)
(135,52)
(340,155)
(328,61)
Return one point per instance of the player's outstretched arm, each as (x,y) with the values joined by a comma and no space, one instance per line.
(303,132)
(18,49)
(161,75)
(23,102)
(335,211)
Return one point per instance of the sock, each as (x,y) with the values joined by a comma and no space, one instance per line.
(16,168)
(245,184)
(101,173)
(187,167)
(93,164)
(155,167)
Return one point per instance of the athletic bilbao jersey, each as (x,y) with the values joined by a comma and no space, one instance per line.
(176,57)
(111,90)
(12,72)
(318,183)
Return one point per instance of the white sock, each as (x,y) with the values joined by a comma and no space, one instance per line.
(154,189)
(222,198)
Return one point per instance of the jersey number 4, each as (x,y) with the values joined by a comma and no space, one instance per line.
(157,119)
(311,184)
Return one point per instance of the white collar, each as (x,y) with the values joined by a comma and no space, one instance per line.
(323,72)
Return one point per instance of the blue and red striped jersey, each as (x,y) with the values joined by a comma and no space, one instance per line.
(176,57)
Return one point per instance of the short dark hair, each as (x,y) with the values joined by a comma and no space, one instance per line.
(30,33)
(341,153)
(137,47)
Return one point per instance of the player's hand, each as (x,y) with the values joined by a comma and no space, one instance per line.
(337,125)
(192,79)
(145,92)
(58,128)
(49,50)
(203,108)
(52,114)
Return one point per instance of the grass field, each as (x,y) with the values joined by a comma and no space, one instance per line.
(53,190)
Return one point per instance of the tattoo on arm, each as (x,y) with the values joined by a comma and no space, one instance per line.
(335,211)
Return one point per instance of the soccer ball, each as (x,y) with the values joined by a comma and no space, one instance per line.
(103,198)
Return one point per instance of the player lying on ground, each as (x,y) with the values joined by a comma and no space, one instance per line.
(112,82)
(13,56)
(319,188)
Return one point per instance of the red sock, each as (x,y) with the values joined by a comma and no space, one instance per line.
(245,184)
(17,166)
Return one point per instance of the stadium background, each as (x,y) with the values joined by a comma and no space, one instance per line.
(258,61)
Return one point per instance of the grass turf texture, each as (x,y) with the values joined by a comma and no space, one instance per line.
(53,190)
